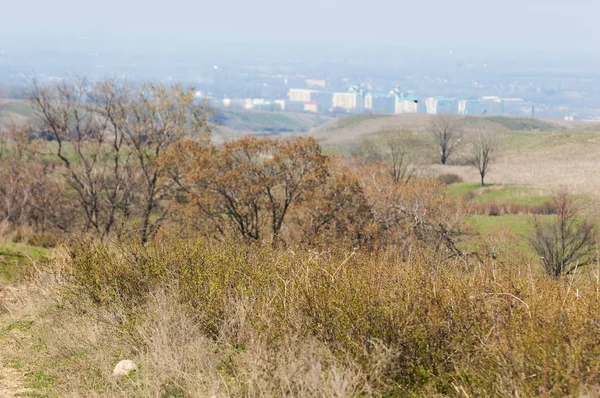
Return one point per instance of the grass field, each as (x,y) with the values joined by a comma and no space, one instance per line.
(15,258)
(541,155)
(520,225)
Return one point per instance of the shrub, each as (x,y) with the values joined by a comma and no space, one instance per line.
(494,209)
(397,321)
(449,178)
(544,208)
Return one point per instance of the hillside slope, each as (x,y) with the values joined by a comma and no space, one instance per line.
(349,130)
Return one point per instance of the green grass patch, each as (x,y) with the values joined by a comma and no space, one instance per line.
(16,257)
(498,194)
(521,226)
(271,121)
(512,195)
(350,121)
(517,224)
(462,188)
(41,379)
(19,107)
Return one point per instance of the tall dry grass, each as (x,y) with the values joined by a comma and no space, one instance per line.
(207,318)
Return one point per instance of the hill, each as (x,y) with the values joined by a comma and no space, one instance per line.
(229,122)
(543,154)
(349,130)
(14,111)
(270,122)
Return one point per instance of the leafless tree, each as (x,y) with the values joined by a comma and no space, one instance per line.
(91,153)
(567,242)
(447,132)
(392,148)
(155,118)
(109,137)
(483,150)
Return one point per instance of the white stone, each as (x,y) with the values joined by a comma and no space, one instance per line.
(124,367)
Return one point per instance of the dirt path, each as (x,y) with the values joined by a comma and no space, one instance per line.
(11,381)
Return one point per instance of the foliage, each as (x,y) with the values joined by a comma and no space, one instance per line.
(449,178)
(252,182)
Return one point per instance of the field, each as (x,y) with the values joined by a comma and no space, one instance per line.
(537,154)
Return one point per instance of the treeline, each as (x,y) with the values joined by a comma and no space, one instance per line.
(114,160)
(111,159)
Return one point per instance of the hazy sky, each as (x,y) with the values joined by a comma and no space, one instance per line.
(143,25)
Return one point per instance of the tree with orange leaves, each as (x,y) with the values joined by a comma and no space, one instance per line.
(251,182)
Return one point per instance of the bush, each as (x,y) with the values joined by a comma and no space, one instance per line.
(544,208)
(494,209)
(397,322)
(449,178)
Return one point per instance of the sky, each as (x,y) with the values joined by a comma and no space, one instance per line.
(555,26)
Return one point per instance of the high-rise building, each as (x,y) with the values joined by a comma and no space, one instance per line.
(299,95)
(347,101)
(280,104)
(379,103)
(447,105)
(311,106)
(323,98)
(431,105)
(405,104)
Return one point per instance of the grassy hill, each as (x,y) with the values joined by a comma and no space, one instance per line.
(271,122)
(14,111)
(348,130)
(231,123)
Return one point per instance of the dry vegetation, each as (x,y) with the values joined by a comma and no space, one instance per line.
(204,318)
(261,267)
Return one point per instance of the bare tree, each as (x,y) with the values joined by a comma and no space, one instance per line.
(483,150)
(91,153)
(565,243)
(154,119)
(447,132)
(109,137)
(392,148)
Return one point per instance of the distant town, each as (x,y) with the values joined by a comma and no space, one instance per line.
(314,97)
(364,83)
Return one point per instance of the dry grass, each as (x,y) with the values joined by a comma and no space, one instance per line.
(549,160)
(340,133)
(227,319)
(572,166)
